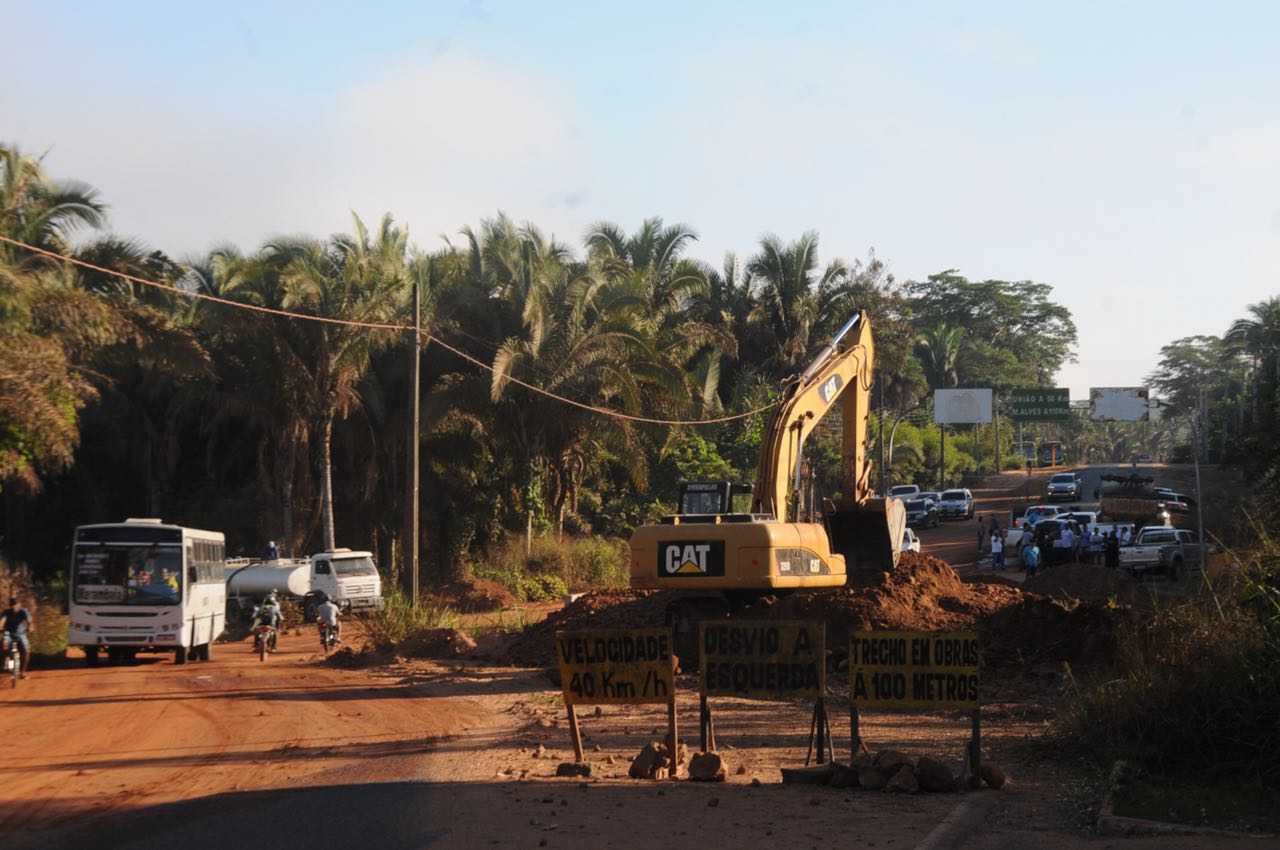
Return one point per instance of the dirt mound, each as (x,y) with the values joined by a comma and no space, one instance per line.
(1083,582)
(599,609)
(922,594)
(436,643)
(476,595)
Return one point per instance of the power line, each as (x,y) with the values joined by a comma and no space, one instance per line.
(287,314)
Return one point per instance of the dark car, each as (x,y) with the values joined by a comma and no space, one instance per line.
(922,512)
(1048,533)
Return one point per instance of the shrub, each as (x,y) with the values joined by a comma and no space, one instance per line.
(398,619)
(557,567)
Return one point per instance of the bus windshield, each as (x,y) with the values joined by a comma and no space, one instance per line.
(127,575)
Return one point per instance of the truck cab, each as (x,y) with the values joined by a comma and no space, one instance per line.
(348,577)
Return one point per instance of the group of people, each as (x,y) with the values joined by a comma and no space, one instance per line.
(1090,546)
(269,614)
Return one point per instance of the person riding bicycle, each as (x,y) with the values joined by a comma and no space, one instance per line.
(268,613)
(327,612)
(18,624)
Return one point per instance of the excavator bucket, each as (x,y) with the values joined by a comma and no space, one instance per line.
(869,535)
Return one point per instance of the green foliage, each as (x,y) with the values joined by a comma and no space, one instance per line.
(1196,691)
(555,568)
(399,620)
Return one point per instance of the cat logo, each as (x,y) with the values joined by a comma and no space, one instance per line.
(689,558)
(829,389)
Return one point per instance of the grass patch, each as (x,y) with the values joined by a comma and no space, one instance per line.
(399,620)
(1239,806)
(556,567)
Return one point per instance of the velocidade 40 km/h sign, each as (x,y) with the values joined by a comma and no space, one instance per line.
(615,666)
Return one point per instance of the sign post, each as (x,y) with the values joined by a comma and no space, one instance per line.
(765,660)
(1040,404)
(914,671)
(616,667)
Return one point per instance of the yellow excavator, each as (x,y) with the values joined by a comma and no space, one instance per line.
(739,542)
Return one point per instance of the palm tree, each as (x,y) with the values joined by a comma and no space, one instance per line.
(790,293)
(940,349)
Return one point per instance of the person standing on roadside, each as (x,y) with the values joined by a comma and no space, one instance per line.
(1112,550)
(1031,558)
(1086,540)
(997,551)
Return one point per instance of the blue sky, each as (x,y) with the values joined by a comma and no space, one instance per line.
(1126,154)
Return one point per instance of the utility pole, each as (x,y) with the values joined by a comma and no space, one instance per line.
(415,439)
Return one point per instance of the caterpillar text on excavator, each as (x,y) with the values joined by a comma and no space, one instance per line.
(736,542)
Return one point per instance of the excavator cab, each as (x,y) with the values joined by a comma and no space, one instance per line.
(713,498)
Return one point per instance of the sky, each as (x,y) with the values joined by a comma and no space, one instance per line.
(1127,154)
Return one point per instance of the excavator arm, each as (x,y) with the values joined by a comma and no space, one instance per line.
(868,531)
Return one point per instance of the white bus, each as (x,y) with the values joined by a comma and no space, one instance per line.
(144,586)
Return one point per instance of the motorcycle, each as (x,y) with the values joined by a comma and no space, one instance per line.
(264,640)
(12,659)
(328,637)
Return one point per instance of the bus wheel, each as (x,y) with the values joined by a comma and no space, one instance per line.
(113,654)
(91,656)
(180,655)
(205,651)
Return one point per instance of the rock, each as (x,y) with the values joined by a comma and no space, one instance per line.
(889,761)
(843,776)
(599,711)
(707,767)
(755,782)
(993,775)
(871,778)
(904,781)
(818,775)
(861,760)
(741,771)
(649,758)
(661,773)
(933,775)
(540,752)
(570,768)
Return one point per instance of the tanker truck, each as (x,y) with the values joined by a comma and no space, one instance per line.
(347,577)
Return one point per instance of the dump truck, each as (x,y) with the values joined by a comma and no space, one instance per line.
(734,542)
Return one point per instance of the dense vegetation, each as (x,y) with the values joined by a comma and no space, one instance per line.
(120,399)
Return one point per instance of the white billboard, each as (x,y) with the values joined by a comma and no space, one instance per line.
(1119,404)
(961,407)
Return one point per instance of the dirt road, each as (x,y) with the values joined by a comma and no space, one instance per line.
(105,740)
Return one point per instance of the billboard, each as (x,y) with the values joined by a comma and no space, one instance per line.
(1119,404)
(961,407)
(1040,404)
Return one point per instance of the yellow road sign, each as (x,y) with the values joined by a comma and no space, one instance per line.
(615,666)
(914,670)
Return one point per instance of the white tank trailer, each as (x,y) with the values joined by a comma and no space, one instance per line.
(256,580)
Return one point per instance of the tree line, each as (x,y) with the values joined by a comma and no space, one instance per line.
(122,399)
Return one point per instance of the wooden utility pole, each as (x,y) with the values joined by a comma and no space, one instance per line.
(415,439)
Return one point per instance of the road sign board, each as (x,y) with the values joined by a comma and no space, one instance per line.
(1040,404)
(962,407)
(909,671)
(1119,404)
(615,666)
(763,659)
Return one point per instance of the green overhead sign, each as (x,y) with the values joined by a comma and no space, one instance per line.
(1041,404)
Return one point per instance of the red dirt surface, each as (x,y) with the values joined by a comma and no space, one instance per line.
(476,595)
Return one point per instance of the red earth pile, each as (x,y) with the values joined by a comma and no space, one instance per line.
(476,595)
(923,593)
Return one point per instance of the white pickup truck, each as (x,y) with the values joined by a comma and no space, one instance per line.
(1163,549)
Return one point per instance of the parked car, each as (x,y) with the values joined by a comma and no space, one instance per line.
(1013,534)
(1163,549)
(933,495)
(910,543)
(903,491)
(956,503)
(922,512)
(1063,485)
(1049,533)
(1143,459)
(1084,519)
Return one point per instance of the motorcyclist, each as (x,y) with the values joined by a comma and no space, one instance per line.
(268,613)
(327,612)
(18,624)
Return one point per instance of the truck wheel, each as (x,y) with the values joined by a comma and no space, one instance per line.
(1175,570)
(180,655)
(91,656)
(204,652)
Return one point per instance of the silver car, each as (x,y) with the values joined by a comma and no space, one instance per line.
(956,503)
